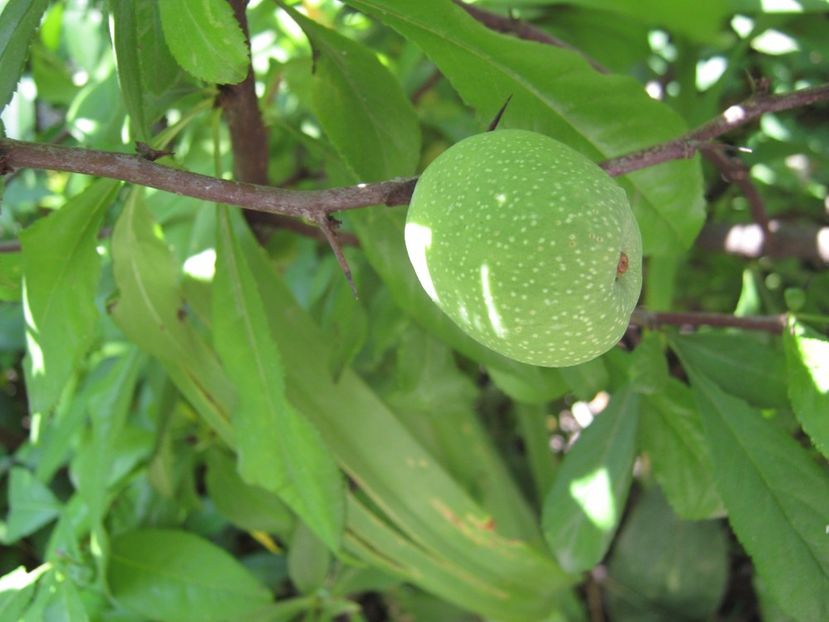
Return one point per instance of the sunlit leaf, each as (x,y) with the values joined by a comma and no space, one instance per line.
(807,366)
(176,576)
(18,22)
(61,271)
(205,39)
(583,509)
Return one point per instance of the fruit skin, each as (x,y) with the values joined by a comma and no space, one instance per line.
(528,246)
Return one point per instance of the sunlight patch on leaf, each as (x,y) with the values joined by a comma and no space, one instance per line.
(593,493)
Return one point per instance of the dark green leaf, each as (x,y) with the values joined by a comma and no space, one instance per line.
(205,39)
(31,505)
(583,509)
(175,576)
(742,366)
(61,272)
(664,568)
(807,366)
(279,449)
(672,437)
(308,560)
(249,507)
(776,498)
(18,22)
(554,91)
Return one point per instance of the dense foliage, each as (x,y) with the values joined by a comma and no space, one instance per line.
(201,421)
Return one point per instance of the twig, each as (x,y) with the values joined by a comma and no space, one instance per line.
(735,116)
(654,319)
(734,171)
(523,30)
(137,170)
(326,225)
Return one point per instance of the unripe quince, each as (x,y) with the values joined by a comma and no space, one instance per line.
(528,246)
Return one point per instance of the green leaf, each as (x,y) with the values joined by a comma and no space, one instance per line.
(107,398)
(150,311)
(16,590)
(279,449)
(308,560)
(127,53)
(671,435)
(501,577)
(248,507)
(583,508)
(807,367)
(61,272)
(205,39)
(700,20)
(175,576)
(739,364)
(555,91)
(31,505)
(18,22)
(776,497)
(360,105)
(665,568)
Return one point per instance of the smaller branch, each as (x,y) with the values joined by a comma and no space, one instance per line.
(740,114)
(427,85)
(655,319)
(326,225)
(734,171)
(523,30)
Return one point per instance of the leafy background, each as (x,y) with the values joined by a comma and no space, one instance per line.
(200,421)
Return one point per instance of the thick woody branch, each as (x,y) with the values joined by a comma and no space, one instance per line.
(137,170)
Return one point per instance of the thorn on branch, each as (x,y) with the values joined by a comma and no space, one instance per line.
(148,153)
(328,226)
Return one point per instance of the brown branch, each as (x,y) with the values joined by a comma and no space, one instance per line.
(523,30)
(734,171)
(740,114)
(137,170)
(655,319)
(327,226)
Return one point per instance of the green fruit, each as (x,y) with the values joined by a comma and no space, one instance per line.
(528,246)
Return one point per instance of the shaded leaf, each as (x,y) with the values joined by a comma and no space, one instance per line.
(205,39)
(246,506)
(31,505)
(279,449)
(665,568)
(807,367)
(175,576)
(776,498)
(18,22)
(61,272)
(739,364)
(583,508)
